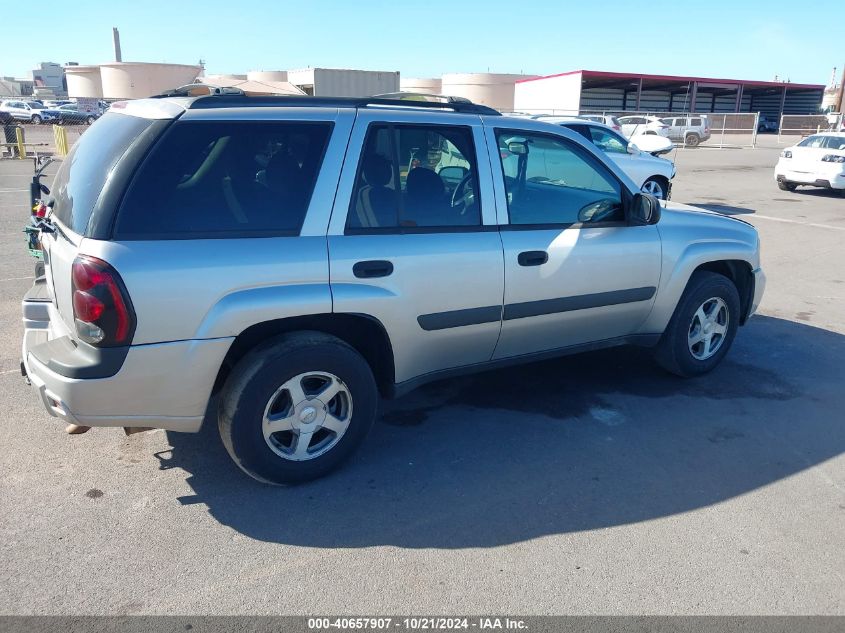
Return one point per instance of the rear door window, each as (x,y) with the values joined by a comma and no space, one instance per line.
(87,167)
(208,179)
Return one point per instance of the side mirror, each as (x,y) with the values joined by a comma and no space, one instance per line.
(645,209)
(633,149)
(518,147)
(453,174)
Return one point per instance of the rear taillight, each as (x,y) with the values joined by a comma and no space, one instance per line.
(617,128)
(102,311)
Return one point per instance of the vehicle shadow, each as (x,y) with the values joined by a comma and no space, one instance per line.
(817,192)
(585,442)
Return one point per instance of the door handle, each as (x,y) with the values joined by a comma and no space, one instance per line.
(532,258)
(372,268)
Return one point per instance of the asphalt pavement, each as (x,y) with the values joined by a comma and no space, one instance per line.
(591,484)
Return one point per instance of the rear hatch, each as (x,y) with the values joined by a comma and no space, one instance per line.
(76,195)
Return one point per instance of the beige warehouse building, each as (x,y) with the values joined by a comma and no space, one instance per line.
(491,89)
(421,85)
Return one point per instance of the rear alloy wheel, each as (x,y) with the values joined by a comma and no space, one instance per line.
(692,140)
(656,186)
(36,119)
(295,408)
(786,186)
(90,120)
(703,326)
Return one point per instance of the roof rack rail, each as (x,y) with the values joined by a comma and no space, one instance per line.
(414,100)
(209,97)
(199,90)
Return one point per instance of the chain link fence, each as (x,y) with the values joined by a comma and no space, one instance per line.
(32,128)
(704,129)
(792,125)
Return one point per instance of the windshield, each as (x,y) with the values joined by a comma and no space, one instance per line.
(87,167)
(824,141)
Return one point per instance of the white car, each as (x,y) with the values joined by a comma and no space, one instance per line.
(817,161)
(652,174)
(637,124)
(650,143)
(653,144)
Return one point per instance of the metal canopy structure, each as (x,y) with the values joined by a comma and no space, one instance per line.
(602,90)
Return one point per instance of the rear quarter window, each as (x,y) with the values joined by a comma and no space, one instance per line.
(87,167)
(207,179)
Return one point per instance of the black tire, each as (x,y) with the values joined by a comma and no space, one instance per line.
(90,120)
(673,351)
(36,119)
(692,140)
(256,378)
(786,186)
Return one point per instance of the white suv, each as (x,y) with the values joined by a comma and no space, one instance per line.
(637,124)
(27,111)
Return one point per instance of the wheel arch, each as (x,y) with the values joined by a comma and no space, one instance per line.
(664,181)
(735,260)
(364,333)
(741,274)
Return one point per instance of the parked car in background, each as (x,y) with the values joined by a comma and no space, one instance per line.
(607,119)
(651,174)
(817,161)
(71,114)
(55,103)
(689,130)
(27,111)
(766,124)
(535,245)
(635,124)
(652,144)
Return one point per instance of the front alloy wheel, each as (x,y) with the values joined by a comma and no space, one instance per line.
(655,188)
(708,328)
(703,327)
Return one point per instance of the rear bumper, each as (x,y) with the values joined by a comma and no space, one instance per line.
(828,179)
(164,385)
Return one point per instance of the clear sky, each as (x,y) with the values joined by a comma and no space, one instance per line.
(717,38)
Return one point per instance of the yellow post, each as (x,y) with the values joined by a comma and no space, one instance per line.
(21,146)
(60,137)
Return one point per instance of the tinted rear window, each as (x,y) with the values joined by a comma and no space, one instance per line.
(209,179)
(86,168)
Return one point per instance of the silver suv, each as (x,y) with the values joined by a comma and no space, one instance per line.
(304,257)
(689,130)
